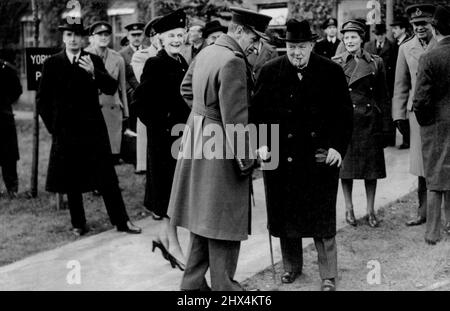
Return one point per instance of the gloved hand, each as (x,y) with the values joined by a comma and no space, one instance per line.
(402,126)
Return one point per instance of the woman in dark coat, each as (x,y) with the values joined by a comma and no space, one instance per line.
(368,89)
(160,107)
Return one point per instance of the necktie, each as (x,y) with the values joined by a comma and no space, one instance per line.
(74,61)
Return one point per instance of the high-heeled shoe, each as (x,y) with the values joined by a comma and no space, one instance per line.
(175,263)
(164,252)
(350,218)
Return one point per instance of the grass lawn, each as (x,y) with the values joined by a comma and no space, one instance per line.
(406,262)
(28,226)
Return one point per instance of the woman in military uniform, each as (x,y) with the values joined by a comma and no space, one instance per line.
(160,107)
(368,89)
(114,107)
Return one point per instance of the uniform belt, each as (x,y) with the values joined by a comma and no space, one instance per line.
(207,112)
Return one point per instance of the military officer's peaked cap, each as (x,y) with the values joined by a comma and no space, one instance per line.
(135,27)
(148,29)
(420,12)
(255,21)
(176,19)
(76,26)
(354,25)
(99,27)
(330,22)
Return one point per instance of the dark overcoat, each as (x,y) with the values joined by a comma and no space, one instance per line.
(300,193)
(431,105)
(266,53)
(371,116)
(11,90)
(209,197)
(389,55)
(160,106)
(68,103)
(326,48)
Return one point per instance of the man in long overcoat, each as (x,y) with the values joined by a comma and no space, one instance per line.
(9,149)
(80,156)
(405,82)
(315,129)
(209,197)
(387,50)
(432,108)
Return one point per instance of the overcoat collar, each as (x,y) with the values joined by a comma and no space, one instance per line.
(163,54)
(229,43)
(364,67)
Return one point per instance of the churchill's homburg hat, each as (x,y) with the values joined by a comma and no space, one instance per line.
(298,32)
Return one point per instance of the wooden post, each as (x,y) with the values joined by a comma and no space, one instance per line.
(389,16)
(35,155)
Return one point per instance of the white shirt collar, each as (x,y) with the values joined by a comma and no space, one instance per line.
(332,39)
(135,48)
(70,55)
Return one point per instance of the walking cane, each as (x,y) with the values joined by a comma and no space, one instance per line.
(272,261)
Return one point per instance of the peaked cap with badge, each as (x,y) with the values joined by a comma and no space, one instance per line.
(99,27)
(75,27)
(135,27)
(420,12)
(330,22)
(354,25)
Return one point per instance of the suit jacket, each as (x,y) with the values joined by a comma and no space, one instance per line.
(11,90)
(68,103)
(389,55)
(266,53)
(209,197)
(431,105)
(325,48)
(300,193)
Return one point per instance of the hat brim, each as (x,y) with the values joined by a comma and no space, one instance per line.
(260,34)
(420,19)
(80,31)
(313,38)
(132,32)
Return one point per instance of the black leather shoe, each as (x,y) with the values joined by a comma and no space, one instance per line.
(328,285)
(373,221)
(416,221)
(80,231)
(12,194)
(350,218)
(128,227)
(289,277)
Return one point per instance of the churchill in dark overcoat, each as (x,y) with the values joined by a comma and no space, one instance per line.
(80,156)
(301,192)
(431,105)
(9,149)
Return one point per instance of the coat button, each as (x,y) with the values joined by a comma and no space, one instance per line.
(289,159)
(290,136)
(112,108)
(371,88)
(313,134)
(291,96)
(368,105)
(350,89)
(354,106)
